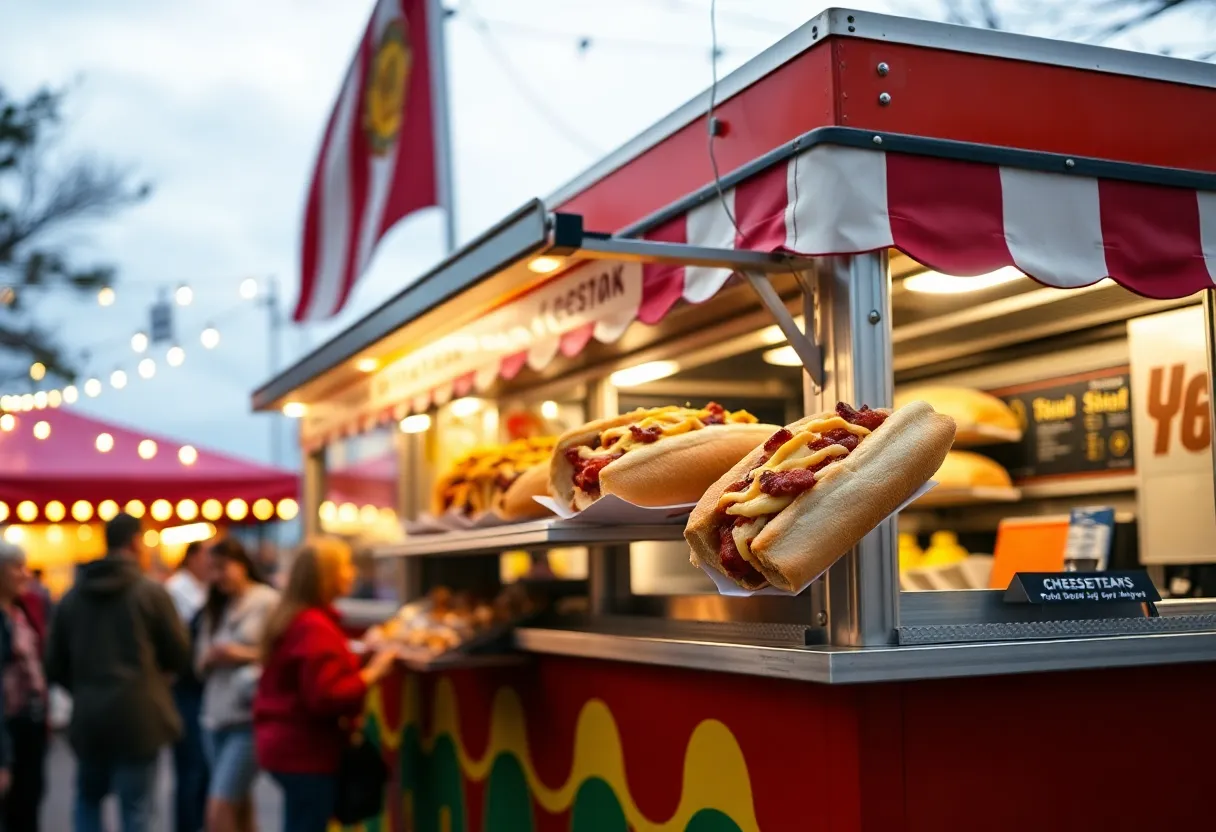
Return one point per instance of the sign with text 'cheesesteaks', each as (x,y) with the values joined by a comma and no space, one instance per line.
(1078,425)
(1176,514)
(1082,588)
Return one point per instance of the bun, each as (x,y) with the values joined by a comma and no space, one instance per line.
(850,497)
(516,502)
(963,469)
(675,469)
(970,409)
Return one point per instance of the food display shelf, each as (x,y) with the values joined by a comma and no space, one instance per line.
(532,536)
(972,495)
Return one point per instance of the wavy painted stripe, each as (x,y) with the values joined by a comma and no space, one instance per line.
(715,773)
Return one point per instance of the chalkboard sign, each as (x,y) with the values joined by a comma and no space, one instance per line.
(1081,588)
(1074,426)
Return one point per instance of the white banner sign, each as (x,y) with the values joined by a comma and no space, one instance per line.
(1172,428)
(605,295)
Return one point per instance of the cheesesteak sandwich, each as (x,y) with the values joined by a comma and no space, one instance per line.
(501,478)
(651,457)
(798,502)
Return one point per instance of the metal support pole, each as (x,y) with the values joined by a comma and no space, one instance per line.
(273,349)
(608,568)
(854,330)
(412,488)
(1209,329)
(312,492)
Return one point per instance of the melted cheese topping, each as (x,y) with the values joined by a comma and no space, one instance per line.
(744,535)
(671,421)
(793,454)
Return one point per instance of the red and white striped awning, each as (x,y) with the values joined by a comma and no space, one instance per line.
(959,216)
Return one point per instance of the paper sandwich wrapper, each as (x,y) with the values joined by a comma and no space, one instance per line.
(611,510)
(728,587)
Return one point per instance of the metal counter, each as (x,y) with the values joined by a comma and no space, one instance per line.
(775,651)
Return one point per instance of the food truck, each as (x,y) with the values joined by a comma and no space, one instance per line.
(1018,230)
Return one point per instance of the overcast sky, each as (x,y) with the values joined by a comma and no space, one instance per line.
(221,105)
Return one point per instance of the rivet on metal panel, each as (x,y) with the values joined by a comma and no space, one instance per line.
(852,28)
(878,140)
(1069,163)
(883,68)
(884,98)
(822,618)
(717,127)
(874,317)
(814,31)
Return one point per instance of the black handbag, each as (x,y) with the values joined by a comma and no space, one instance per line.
(362,779)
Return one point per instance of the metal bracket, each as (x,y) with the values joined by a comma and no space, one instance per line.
(804,343)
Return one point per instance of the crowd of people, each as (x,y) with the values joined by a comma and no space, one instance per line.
(235,675)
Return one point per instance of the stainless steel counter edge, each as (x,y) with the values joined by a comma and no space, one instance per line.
(881,664)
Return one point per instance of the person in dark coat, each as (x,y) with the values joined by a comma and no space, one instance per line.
(115,644)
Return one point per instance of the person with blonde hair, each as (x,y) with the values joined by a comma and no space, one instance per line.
(311,687)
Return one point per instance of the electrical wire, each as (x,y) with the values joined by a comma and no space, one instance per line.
(584,42)
(711,123)
(536,102)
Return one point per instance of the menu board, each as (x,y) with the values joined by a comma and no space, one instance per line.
(1079,425)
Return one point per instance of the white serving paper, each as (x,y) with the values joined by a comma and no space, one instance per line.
(426,524)
(728,587)
(611,510)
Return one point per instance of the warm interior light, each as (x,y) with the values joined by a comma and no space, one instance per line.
(27,401)
(37,371)
(84,533)
(146,448)
(263,509)
(644,373)
(238,509)
(7,422)
(187,455)
(368,514)
(147,368)
(151,538)
(387,515)
(549,410)
(107,510)
(54,535)
(135,508)
(782,357)
(367,365)
(466,407)
(82,511)
(175,356)
(288,509)
(27,512)
(327,511)
(54,398)
(118,379)
(545,264)
(161,510)
(92,388)
(774,335)
(139,341)
(418,423)
(188,533)
(54,511)
(187,509)
(212,509)
(70,394)
(294,410)
(348,513)
(14,534)
(42,430)
(3,511)
(936,283)
(40,400)
(104,443)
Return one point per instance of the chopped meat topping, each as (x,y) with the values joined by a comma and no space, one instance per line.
(717,415)
(777,440)
(646,435)
(840,436)
(865,418)
(587,471)
(732,561)
(786,483)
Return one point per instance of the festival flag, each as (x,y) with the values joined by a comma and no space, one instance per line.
(383,155)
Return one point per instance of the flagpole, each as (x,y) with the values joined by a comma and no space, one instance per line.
(437,40)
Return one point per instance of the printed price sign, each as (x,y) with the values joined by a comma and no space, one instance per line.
(1090,531)
(1081,587)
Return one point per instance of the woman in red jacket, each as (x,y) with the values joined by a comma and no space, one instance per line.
(311,688)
